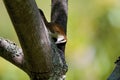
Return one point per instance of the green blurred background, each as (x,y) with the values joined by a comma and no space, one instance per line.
(93,39)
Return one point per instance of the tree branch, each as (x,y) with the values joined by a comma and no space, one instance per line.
(42,60)
(32,35)
(59,15)
(115,75)
(11,52)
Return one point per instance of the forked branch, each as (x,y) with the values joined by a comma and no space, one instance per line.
(39,57)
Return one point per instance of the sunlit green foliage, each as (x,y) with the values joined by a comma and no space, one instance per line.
(93,39)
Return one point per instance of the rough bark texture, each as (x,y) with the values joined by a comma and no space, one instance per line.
(11,52)
(39,57)
(59,15)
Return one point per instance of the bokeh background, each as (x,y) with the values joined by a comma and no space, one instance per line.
(93,39)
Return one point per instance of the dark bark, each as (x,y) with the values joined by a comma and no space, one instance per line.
(59,15)
(115,75)
(59,12)
(41,59)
